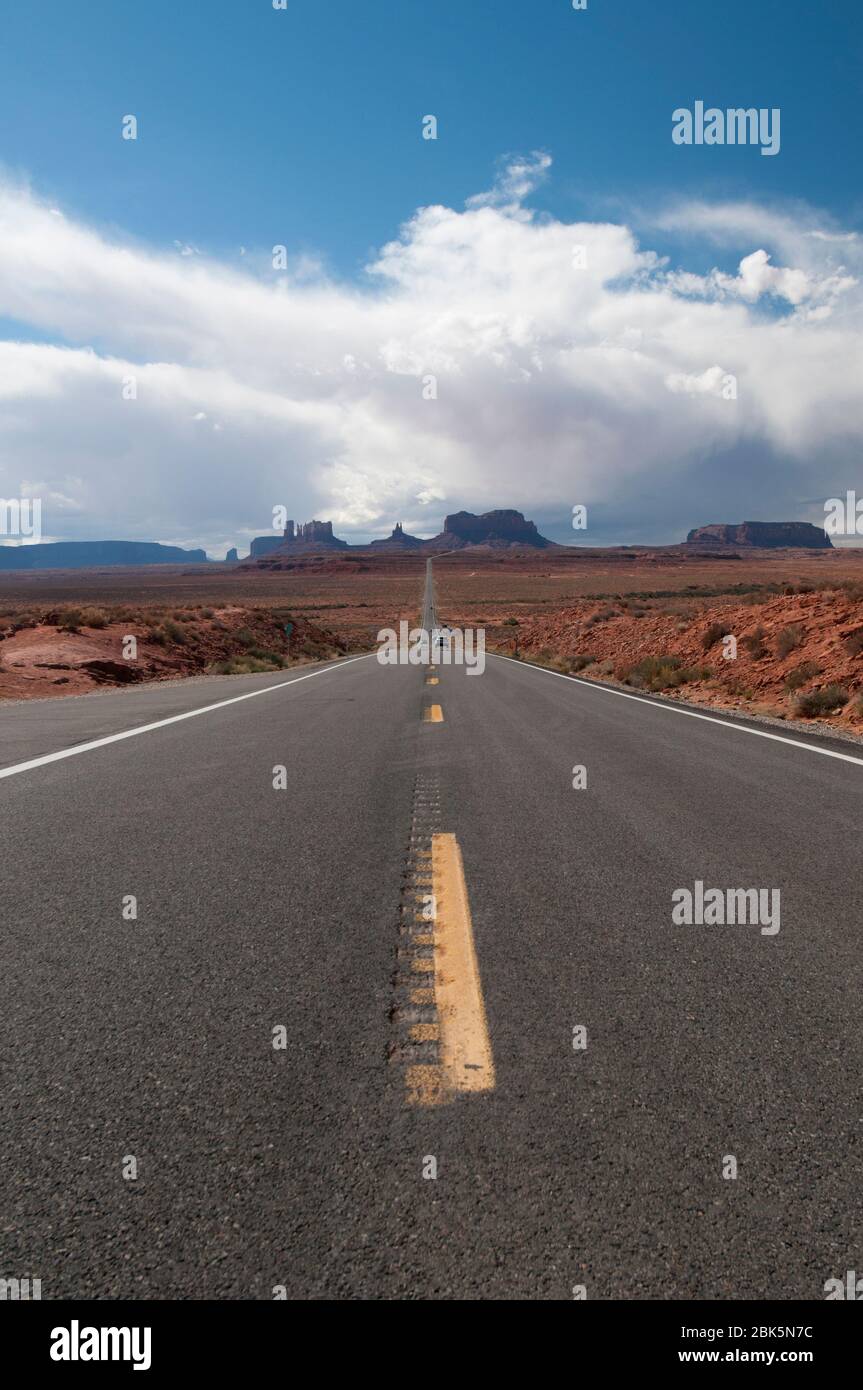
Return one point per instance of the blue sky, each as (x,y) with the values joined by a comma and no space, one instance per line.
(301,127)
(259,126)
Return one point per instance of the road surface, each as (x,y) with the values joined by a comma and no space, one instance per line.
(629,1058)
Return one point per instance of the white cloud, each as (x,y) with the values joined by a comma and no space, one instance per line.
(708,383)
(554,384)
(517,178)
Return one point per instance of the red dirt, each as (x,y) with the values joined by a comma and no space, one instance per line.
(619,639)
(46,659)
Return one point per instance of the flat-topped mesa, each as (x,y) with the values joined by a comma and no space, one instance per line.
(765,535)
(52,555)
(498,529)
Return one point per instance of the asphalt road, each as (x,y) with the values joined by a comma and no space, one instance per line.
(303,1167)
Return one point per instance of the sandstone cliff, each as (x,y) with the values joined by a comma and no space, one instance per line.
(770,535)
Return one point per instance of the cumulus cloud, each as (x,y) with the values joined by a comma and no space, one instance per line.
(479,363)
(756,277)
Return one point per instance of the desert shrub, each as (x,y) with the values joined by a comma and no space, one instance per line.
(265,654)
(713,634)
(246,638)
(806,671)
(826,701)
(789,639)
(93,617)
(754,643)
(684,674)
(510,622)
(852,587)
(70,619)
(663,673)
(652,672)
(858,706)
(155,634)
(244,665)
(578,663)
(854,643)
(174,632)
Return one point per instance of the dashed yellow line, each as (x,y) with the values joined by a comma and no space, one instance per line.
(425,1032)
(466,1060)
(432,714)
(432,680)
(425,1086)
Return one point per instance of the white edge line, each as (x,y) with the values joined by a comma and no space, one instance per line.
(173,719)
(675,709)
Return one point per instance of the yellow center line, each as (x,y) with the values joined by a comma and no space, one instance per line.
(432,680)
(425,1032)
(433,714)
(424,1086)
(466,1057)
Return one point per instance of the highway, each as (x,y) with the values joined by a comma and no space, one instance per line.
(530,1090)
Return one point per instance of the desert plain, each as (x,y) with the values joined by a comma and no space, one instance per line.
(651,619)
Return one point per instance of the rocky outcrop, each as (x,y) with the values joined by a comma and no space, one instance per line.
(300,538)
(47,655)
(265,545)
(789,646)
(107,672)
(232,556)
(318,533)
(399,540)
(496,529)
(766,535)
